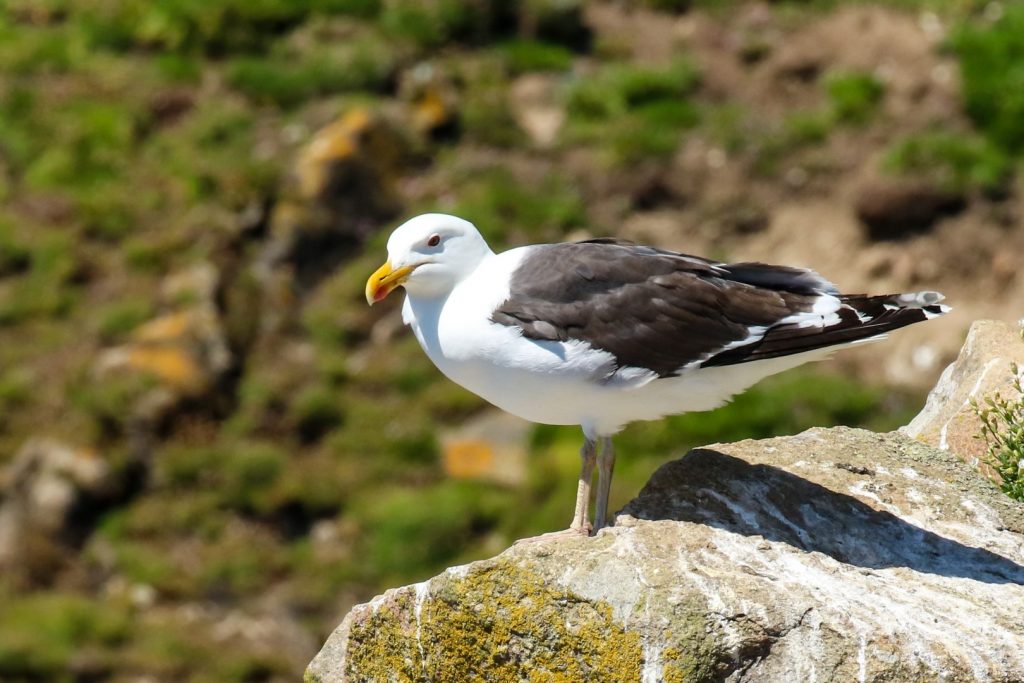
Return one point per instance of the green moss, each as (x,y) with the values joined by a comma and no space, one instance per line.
(530,55)
(501,623)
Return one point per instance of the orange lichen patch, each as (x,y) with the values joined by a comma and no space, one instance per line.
(170,364)
(337,140)
(430,111)
(165,328)
(468,459)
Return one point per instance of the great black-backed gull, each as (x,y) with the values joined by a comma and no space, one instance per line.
(602,332)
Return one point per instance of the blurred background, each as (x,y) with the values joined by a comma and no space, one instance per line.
(210,447)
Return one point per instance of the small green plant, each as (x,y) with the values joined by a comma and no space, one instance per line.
(1002,429)
(957,163)
(532,55)
(854,97)
(118,319)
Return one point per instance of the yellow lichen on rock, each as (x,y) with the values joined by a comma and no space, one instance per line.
(503,623)
(333,142)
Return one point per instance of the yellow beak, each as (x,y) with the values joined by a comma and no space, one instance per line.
(384,280)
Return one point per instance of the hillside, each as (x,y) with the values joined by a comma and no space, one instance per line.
(226,449)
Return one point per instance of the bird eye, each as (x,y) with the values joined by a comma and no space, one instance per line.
(433,240)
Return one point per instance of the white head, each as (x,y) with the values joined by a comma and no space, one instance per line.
(428,255)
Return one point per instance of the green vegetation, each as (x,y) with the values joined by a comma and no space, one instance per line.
(287,78)
(634,112)
(522,56)
(1002,428)
(992,67)
(957,163)
(853,97)
(509,211)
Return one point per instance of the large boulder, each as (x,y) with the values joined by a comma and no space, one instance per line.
(982,370)
(833,555)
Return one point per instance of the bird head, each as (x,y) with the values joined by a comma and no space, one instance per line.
(428,255)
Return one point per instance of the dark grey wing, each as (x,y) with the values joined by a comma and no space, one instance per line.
(647,307)
(665,311)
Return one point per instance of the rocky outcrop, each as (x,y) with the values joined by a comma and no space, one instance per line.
(983,369)
(833,555)
(47,493)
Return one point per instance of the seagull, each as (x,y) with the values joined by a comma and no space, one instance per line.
(604,332)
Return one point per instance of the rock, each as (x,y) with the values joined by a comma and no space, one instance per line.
(341,189)
(538,107)
(431,100)
(893,208)
(182,359)
(184,348)
(833,555)
(982,369)
(45,496)
(491,447)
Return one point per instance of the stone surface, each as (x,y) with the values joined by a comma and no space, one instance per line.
(185,347)
(981,370)
(493,446)
(893,208)
(341,188)
(833,555)
(45,495)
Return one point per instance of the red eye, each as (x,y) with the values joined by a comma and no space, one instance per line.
(434,240)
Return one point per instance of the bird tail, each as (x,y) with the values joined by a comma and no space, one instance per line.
(859,318)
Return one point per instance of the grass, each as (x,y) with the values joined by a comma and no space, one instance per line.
(286,79)
(1002,429)
(507,210)
(955,162)
(853,97)
(991,57)
(633,112)
(523,56)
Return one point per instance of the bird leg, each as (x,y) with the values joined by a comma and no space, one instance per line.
(605,469)
(580,524)
(588,457)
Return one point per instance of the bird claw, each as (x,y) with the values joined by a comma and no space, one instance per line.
(566,534)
